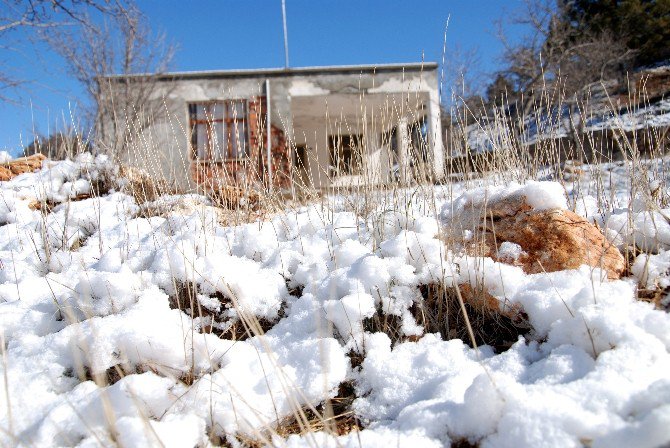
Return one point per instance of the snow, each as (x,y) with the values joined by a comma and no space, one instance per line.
(509,252)
(347,314)
(653,270)
(649,230)
(5,157)
(656,115)
(494,134)
(92,285)
(471,204)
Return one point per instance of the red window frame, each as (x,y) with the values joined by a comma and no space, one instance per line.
(219,129)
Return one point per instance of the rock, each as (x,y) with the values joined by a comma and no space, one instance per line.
(550,240)
(13,168)
(511,231)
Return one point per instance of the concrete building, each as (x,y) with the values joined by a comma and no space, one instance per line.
(321,127)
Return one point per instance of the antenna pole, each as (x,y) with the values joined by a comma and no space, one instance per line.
(283,13)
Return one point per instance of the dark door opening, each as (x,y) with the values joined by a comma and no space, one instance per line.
(345,154)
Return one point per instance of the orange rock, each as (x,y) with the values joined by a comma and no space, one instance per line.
(21,165)
(553,240)
(20,168)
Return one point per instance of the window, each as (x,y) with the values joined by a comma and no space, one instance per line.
(219,129)
(345,153)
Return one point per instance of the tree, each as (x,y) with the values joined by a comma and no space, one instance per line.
(641,25)
(558,65)
(560,60)
(500,92)
(461,103)
(121,44)
(58,146)
(41,15)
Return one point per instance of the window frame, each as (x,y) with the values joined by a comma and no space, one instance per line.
(213,152)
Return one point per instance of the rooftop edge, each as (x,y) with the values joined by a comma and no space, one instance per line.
(277,72)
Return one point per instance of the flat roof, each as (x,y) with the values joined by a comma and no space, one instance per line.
(290,71)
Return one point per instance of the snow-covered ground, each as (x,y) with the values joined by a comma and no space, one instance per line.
(96,283)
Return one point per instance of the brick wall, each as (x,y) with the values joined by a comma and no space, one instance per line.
(281,159)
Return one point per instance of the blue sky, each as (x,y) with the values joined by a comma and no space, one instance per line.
(228,34)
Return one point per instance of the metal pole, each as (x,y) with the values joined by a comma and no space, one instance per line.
(268,122)
(283,12)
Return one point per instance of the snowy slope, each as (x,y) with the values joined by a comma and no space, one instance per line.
(495,135)
(92,284)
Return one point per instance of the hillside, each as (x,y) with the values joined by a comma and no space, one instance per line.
(616,108)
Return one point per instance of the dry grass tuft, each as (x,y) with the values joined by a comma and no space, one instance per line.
(142,186)
(110,376)
(441,312)
(335,416)
(210,320)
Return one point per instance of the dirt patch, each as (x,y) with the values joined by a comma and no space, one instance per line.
(463,443)
(656,297)
(385,323)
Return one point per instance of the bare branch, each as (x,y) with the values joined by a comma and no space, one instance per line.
(41,15)
(121,44)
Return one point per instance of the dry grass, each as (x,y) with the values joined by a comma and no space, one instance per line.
(335,417)
(440,311)
(455,312)
(213,321)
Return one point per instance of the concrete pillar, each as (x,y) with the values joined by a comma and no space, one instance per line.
(403,151)
(437,158)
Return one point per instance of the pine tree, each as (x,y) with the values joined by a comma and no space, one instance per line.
(643,25)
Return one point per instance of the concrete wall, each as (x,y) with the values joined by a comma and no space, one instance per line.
(307,104)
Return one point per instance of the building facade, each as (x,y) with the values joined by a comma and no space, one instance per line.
(317,127)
